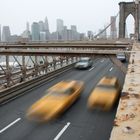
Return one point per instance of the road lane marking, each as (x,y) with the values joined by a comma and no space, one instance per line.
(91,68)
(62,131)
(102,60)
(8,126)
(111,69)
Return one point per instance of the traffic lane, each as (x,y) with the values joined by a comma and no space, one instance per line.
(82,74)
(85,122)
(106,121)
(25,130)
(13,107)
(17,108)
(36,93)
(96,124)
(31,136)
(79,109)
(115,71)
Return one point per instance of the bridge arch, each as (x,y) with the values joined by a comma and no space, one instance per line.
(126,9)
(130,27)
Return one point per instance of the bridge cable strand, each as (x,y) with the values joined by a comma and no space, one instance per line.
(107,26)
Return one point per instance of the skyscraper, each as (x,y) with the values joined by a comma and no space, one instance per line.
(6,33)
(64,33)
(35,31)
(59,25)
(41,26)
(74,32)
(42,36)
(46,24)
(113,29)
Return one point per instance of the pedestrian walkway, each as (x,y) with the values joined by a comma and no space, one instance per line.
(127,120)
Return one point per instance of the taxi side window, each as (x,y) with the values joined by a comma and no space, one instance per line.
(70,91)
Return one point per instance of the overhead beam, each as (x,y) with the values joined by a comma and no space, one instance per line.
(39,52)
(65,45)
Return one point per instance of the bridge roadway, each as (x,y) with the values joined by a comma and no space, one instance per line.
(78,121)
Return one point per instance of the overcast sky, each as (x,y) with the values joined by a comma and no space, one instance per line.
(85,14)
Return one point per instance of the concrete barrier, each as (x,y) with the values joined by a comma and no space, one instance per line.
(127,120)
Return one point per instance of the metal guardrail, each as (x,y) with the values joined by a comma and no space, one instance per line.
(15,91)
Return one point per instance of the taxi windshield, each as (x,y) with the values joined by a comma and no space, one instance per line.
(63,92)
(106,87)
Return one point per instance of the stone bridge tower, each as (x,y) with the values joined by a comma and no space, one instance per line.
(127,8)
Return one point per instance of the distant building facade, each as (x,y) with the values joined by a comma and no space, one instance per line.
(46,24)
(74,32)
(59,26)
(6,34)
(35,30)
(39,31)
(43,36)
(113,28)
(41,26)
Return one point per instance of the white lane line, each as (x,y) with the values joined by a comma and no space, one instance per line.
(111,69)
(91,68)
(5,128)
(102,60)
(62,131)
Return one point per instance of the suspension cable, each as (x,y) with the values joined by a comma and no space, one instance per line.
(107,26)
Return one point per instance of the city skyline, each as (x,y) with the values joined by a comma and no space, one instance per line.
(39,31)
(86,14)
(28,26)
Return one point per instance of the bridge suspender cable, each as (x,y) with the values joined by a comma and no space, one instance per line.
(107,26)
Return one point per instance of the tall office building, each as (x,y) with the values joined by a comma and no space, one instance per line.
(69,34)
(6,34)
(46,27)
(60,27)
(64,33)
(74,32)
(113,28)
(35,31)
(42,36)
(46,24)
(41,26)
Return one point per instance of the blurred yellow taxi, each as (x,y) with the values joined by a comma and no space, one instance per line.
(57,99)
(105,94)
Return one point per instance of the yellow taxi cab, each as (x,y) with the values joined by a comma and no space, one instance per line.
(105,94)
(57,99)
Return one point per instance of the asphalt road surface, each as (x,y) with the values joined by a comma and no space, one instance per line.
(77,123)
